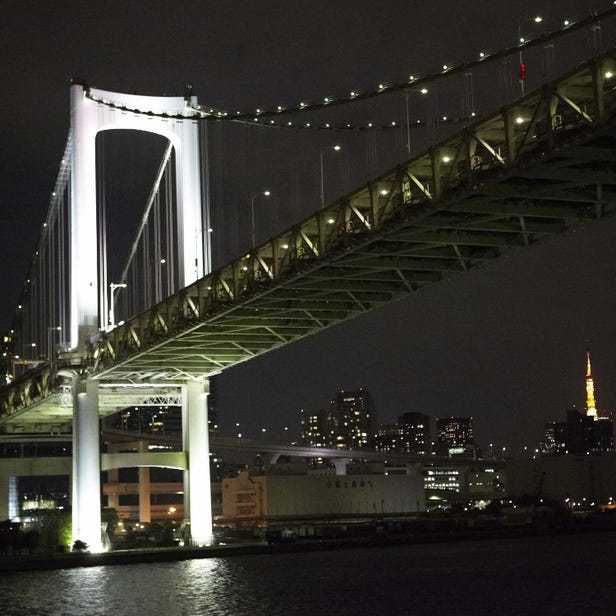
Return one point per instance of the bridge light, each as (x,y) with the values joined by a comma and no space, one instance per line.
(424,90)
(538,19)
(330,221)
(519,120)
(522,71)
(446,159)
(609,75)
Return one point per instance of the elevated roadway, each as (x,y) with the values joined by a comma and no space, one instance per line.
(538,167)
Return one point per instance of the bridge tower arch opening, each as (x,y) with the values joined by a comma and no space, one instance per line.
(174,118)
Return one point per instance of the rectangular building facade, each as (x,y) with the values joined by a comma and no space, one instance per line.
(257,500)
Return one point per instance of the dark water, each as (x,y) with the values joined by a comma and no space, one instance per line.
(547,575)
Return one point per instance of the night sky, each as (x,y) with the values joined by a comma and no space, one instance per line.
(505,344)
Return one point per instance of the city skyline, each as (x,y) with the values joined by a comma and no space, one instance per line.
(308,418)
(502,344)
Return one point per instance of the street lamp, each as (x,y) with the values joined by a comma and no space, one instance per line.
(336,148)
(50,347)
(265,193)
(112,287)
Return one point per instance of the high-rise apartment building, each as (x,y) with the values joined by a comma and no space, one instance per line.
(315,428)
(454,436)
(348,423)
(352,419)
(410,434)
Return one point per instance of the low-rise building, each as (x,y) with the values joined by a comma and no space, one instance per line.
(262,499)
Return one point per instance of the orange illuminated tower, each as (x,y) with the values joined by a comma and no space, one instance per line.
(591,408)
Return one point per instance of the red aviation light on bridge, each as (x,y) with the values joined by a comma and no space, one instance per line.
(522,71)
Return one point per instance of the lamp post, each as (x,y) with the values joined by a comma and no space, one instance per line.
(112,288)
(407,117)
(50,347)
(253,195)
(336,148)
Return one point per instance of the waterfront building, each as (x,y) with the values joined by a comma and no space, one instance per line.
(274,497)
(447,485)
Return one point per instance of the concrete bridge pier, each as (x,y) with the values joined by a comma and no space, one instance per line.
(4,497)
(86,488)
(195,436)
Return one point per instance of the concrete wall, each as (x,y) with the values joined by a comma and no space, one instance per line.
(347,494)
(258,497)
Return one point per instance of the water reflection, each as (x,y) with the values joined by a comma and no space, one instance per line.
(506,576)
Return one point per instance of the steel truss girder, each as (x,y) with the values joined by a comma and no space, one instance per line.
(512,178)
(532,169)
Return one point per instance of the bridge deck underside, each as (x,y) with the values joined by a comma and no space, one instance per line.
(534,169)
(420,245)
(49,410)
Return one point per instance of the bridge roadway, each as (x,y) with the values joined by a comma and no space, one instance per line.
(538,167)
(247,445)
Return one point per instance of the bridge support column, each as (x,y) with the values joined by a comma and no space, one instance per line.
(4,497)
(86,496)
(197,486)
(145,508)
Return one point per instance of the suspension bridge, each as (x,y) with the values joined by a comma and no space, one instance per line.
(543,163)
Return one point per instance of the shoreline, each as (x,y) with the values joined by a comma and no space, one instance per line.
(156,555)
